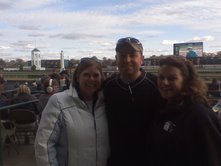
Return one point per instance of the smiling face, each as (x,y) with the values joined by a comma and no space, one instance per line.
(129,63)
(170,81)
(89,81)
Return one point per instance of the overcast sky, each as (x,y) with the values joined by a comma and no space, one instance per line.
(91,27)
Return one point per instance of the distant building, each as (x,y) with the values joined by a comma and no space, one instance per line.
(51,63)
(36,59)
(54,63)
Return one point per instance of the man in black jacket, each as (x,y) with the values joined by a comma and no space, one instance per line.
(132,99)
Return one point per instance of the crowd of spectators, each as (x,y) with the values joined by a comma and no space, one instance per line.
(14,92)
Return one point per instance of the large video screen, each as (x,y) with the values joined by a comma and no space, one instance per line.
(188,50)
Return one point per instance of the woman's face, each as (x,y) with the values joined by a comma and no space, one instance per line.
(89,81)
(170,81)
(55,88)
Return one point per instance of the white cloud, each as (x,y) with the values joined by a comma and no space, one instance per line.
(4,47)
(48,25)
(27,4)
(170,42)
(194,39)
(203,38)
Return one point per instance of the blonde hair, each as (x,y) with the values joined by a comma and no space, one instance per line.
(23,89)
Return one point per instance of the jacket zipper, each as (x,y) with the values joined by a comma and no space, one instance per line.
(95,128)
(131,92)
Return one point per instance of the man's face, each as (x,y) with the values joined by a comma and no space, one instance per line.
(129,62)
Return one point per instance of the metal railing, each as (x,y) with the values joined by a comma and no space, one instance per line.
(5,108)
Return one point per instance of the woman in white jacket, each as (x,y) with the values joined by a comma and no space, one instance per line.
(73,128)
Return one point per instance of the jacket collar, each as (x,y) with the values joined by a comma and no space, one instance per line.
(133,83)
(72,92)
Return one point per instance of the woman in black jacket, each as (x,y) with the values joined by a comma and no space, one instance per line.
(186,132)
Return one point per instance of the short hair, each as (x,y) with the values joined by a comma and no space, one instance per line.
(132,42)
(194,87)
(83,64)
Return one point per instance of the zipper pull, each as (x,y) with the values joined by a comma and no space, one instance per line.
(131,93)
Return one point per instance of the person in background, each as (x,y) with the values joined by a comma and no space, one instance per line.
(24,95)
(131,99)
(16,84)
(3,102)
(214,85)
(186,132)
(214,88)
(64,80)
(3,99)
(50,87)
(191,53)
(73,128)
(33,87)
(2,83)
(55,76)
(218,107)
(42,80)
(214,92)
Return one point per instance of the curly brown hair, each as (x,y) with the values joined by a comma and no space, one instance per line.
(194,87)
